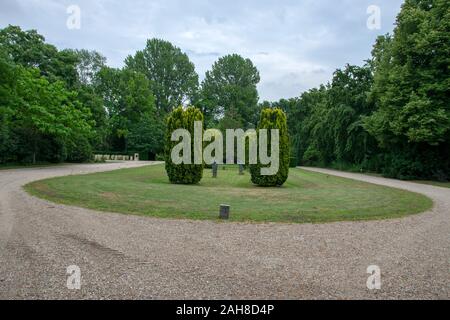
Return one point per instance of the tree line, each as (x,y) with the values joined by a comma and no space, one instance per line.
(390,115)
(61,105)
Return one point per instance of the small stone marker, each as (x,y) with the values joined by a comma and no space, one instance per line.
(241,169)
(136,157)
(214,169)
(224,212)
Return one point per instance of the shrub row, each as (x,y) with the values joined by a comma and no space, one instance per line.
(192,173)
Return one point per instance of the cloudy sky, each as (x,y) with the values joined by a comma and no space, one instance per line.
(295,44)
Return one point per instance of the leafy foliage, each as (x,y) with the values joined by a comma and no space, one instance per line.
(172,75)
(28,48)
(131,109)
(390,115)
(273,118)
(40,119)
(410,90)
(229,96)
(182,173)
(89,64)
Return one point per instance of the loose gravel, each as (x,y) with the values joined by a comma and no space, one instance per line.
(128,257)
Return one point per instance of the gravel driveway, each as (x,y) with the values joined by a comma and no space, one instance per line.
(125,256)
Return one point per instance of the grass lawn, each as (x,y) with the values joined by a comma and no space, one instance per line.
(434,183)
(355,170)
(305,197)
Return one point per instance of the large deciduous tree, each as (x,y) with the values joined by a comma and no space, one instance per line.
(88,65)
(172,75)
(29,49)
(411,91)
(326,123)
(229,92)
(48,123)
(130,105)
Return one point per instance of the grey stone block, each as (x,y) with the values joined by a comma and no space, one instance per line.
(224,212)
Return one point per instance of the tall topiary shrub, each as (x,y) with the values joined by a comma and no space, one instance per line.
(273,119)
(182,173)
(213,135)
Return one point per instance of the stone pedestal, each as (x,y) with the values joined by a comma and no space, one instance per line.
(224,212)
(214,170)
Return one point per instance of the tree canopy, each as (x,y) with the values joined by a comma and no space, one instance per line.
(389,115)
(171,74)
(229,94)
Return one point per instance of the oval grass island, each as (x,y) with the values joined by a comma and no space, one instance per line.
(305,197)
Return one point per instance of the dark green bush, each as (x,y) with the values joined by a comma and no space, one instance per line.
(182,173)
(293,161)
(422,162)
(51,150)
(80,151)
(273,119)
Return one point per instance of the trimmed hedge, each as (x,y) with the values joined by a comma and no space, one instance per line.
(273,119)
(182,173)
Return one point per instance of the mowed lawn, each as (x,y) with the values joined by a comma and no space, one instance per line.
(434,183)
(305,197)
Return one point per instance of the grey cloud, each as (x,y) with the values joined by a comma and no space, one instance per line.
(296,45)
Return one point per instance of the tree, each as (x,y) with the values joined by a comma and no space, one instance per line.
(8,78)
(92,100)
(182,173)
(47,116)
(412,121)
(309,125)
(273,118)
(29,49)
(348,104)
(130,105)
(88,65)
(229,91)
(172,75)
(326,124)
(146,135)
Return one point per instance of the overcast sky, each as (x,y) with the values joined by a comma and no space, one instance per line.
(296,45)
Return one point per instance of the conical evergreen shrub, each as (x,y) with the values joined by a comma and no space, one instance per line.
(182,173)
(273,119)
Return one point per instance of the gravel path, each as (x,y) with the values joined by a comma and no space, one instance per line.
(125,256)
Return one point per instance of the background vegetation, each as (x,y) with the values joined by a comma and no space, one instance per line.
(390,115)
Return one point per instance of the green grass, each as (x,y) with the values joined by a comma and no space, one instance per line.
(357,169)
(305,197)
(434,183)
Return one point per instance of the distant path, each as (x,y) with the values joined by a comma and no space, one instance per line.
(126,256)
